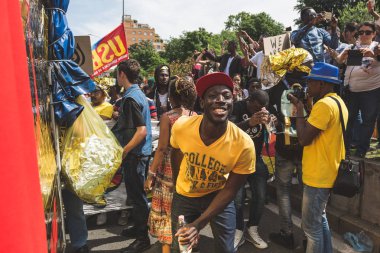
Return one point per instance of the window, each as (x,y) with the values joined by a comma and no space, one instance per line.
(145,34)
(140,32)
(158,47)
(133,39)
(151,34)
(140,40)
(133,32)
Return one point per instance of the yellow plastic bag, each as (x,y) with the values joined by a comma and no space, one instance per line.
(91,155)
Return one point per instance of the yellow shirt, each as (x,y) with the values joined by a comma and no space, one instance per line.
(204,169)
(322,157)
(105,109)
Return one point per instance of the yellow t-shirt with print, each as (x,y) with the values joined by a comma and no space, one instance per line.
(105,109)
(321,159)
(204,169)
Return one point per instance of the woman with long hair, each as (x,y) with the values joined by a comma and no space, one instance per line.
(182,96)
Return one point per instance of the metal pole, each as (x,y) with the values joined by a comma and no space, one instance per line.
(122,18)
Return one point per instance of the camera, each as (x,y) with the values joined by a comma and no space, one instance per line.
(298,92)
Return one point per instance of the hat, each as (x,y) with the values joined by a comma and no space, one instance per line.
(324,72)
(216,78)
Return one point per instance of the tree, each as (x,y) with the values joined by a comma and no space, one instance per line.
(357,13)
(216,40)
(183,47)
(254,24)
(146,55)
(325,5)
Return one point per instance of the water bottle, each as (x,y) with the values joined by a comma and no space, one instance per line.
(181,224)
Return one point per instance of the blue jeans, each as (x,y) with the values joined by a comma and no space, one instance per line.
(367,103)
(75,219)
(222,225)
(258,186)
(134,178)
(283,176)
(314,220)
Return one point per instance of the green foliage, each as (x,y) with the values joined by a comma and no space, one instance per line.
(357,13)
(183,47)
(326,5)
(216,40)
(147,56)
(254,24)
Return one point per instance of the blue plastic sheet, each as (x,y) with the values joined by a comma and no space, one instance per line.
(69,80)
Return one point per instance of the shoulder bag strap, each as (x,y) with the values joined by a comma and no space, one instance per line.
(341,122)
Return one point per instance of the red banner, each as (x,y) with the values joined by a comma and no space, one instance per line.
(109,51)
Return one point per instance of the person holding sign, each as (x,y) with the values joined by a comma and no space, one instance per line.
(311,38)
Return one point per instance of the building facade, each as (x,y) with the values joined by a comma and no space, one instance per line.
(136,33)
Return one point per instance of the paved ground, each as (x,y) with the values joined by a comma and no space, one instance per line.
(107,238)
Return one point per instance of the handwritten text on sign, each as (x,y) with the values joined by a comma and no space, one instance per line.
(109,51)
(275,44)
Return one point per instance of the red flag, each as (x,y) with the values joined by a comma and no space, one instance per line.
(21,216)
(109,51)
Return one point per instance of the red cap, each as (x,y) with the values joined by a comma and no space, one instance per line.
(216,78)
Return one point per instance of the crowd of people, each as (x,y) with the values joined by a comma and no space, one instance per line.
(214,124)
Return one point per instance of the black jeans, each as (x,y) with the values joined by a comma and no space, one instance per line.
(134,178)
(222,225)
(258,186)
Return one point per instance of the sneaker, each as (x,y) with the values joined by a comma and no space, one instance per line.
(239,239)
(283,239)
(123,218)
(101,219)
(254,238)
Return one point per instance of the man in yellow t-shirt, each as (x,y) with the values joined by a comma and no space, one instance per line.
(98,102)
(211,160)
(322,136)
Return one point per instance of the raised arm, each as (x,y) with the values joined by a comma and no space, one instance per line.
(163,144)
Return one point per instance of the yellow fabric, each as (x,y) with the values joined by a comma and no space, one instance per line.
(322,157)
(105,109)
(289,60)
(204,169)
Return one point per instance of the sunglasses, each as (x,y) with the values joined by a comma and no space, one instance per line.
(367,32)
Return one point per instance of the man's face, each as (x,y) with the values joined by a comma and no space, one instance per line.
(163,77)
(97,97)
(253,86)
(217,103)
(314,88)
(119,77)
(309,16)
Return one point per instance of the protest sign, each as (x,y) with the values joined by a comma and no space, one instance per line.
(275,44)
(109,51)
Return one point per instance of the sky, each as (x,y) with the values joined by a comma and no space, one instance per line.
(170,17)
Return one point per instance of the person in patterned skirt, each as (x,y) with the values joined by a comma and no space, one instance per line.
(182,96)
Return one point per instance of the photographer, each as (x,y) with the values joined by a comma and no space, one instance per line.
(363,84)
(322,138)
(311,38)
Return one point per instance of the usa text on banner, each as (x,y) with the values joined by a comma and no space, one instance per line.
(109,51)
